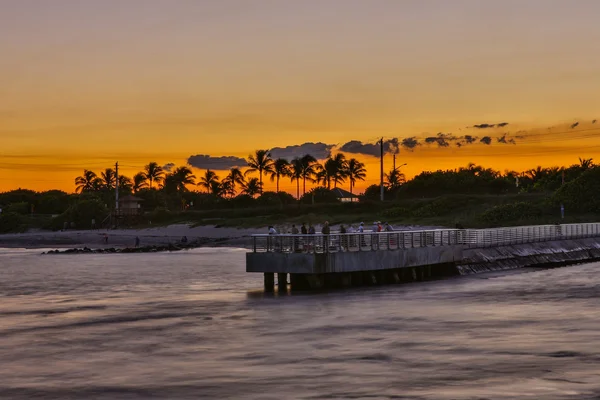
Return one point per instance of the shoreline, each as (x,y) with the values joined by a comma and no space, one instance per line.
(205,236)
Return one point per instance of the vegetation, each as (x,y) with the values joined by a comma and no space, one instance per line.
(472,196)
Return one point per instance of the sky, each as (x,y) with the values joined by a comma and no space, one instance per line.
(86,83)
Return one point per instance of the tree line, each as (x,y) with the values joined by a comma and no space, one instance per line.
(333,171)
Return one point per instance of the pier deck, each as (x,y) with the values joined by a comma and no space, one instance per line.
(335,260)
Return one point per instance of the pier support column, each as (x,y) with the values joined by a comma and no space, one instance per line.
(281,282)
(269,282)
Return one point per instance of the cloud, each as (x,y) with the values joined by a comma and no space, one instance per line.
(410,143)
(318,150)
(168,167)
(594,121)
(575,125)
(442,139)
(486,140)
(469,139)
(358,147)
(486,126)
(204,161)
(504,140)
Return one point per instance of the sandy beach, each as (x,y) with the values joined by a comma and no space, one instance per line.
(120,238)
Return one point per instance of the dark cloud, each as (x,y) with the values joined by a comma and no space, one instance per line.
(318,150)
(390,146)
(575,125)
(485,126)
(594,121)
(469,139)
(410,143)
(358,147)
(486,140)
(441,139)
(168,167)
(204,161)
(505,140)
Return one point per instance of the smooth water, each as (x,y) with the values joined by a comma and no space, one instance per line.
(195,325)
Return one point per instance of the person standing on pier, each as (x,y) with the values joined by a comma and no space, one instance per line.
(295,239)
(325,231)
(343,238)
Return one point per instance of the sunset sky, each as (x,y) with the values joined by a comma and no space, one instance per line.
(85,83)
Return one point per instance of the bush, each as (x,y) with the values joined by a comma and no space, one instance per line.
(22,208)
(242,201)
(396,212)
(11,222)
(81,214)
(519,211)
(319,195)
(583,193)
(274,199)
(160,214)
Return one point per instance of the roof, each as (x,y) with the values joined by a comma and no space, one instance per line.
(130,198)
(343,194)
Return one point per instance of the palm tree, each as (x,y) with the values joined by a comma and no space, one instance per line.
(183,176)
(88,182)
(252,187)
(208,180)
(537,173)
(341,169)
(308,170)
(125,184)
(154,173)
(261,161)
(139,182)
(234,178)
(334,169)
(394,179)
(296,169)
(108,178)
(355,171)
(281,168)
(217,188)
(586,163)
(226,188)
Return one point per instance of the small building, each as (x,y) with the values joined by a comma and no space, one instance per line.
(130,205)
(344,195)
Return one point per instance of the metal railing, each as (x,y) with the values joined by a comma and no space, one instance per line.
(394,240)
(367,241)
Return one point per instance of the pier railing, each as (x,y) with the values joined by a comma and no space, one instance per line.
(394,240)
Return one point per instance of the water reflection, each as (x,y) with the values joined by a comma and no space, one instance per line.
(195,325)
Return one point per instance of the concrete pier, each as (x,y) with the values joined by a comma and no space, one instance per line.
(318,262)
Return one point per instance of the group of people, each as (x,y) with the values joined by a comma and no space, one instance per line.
(326,229)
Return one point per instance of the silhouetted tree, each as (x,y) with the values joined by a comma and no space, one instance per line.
(281,168)
(88,182)
(260,161)
(355,170)
(154,173)
(209,179)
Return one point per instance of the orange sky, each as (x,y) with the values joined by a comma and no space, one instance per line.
(85,84)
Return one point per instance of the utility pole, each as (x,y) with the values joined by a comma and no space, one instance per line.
(117,186)
(394,165)
(381,169)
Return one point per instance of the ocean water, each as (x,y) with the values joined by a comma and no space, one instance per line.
(195,325)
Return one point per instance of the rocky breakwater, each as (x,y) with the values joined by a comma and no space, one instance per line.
(548,254)
(204,242)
